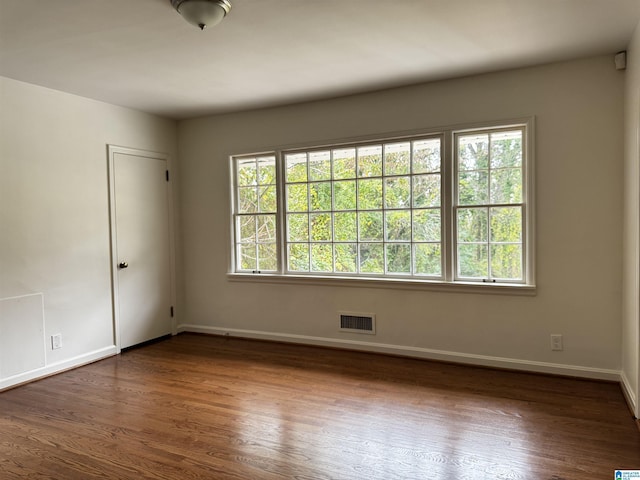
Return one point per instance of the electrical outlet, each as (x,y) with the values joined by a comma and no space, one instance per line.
(556,342)
(56,341)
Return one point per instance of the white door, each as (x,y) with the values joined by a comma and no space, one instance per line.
(141,247)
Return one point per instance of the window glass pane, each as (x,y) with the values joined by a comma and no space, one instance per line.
(426,156)
(370,225)
(248,200)
(397,192)
(473,188)
(427,259)
(268,200)
(506,224)
(321,257)
(371,258)
(345,195)
(398,225)
(345,227)
(297,198)
(506,149)
(506,185)
(320,196)
(472,224)
(321,227)
(266,228)
(248,260)
(426,190)
(267,257)
(267,171)
(370,194)
(473,152)
(346,256)
(320,165)
(370,161)
(296,167)
(398,258)
(426,225)
(298,226)
(397,158)
(246,170)
(344,163)
(506,261)
(246,228)
(473,260)
(298,257)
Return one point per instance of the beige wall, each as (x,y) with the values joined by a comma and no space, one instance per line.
(54,217)
(55,238)
(579,136)
(631,285)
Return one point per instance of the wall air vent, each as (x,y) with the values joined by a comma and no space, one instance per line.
(358,322)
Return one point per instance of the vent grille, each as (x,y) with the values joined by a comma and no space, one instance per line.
(358,322)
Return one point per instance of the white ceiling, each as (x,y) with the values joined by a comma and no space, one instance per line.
(142,54)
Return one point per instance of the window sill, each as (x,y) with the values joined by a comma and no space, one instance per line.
(390,283)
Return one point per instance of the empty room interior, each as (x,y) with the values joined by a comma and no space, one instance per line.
(355,239)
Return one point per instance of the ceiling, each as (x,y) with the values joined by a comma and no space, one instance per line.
(142,54)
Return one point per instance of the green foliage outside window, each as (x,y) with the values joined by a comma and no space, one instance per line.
(361,201)
(257,206)
(489,217)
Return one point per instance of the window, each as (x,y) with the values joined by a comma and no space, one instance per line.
(448,207)
(489,207)
(366,209)
(256,219)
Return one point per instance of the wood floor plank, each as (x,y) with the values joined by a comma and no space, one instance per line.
(202,407)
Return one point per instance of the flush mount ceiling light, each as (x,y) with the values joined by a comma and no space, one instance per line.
(202,13)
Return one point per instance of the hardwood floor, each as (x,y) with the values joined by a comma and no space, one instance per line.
(199,407)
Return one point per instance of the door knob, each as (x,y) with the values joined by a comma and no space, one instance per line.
(123,265)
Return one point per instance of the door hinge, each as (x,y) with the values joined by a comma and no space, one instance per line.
(171,311)
(167,174)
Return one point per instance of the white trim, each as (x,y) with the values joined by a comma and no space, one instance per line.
(113,254)
(530,206)
(417,352)
(172,246)
(629,394)
(57,367)
(446,206)
(389,282)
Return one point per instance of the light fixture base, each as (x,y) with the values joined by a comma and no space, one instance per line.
(202,13)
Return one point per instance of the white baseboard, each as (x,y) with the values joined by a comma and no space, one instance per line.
(417,352)
(629,394)
(58,367)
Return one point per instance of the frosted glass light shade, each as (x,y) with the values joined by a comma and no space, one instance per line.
(202,13)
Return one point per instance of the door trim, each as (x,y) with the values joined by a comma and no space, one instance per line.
(112,150)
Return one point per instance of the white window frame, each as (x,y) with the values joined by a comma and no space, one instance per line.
(523,204)
(449,280)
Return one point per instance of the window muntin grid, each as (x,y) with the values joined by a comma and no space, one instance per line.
(256,201)
(371,209)
(489,210)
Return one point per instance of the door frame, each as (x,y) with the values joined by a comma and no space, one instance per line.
(112,150)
